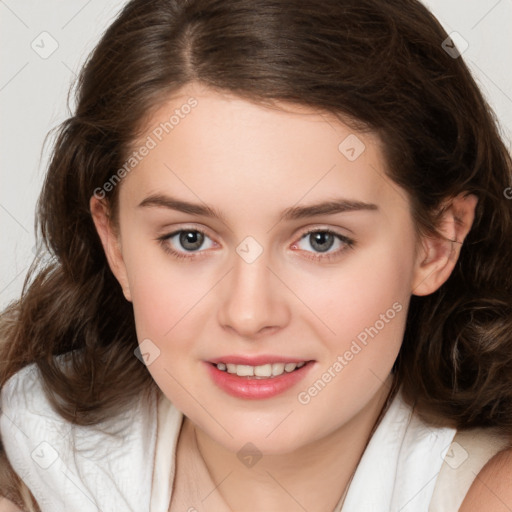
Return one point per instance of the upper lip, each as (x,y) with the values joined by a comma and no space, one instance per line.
(256,360)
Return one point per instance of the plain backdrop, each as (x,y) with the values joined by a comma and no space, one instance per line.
(44,44)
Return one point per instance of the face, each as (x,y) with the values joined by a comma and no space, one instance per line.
(253,237)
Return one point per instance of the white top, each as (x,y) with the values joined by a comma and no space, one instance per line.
(134,471)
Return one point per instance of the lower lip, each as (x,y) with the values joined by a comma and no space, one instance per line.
(250,388)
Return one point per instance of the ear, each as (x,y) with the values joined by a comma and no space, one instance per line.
(438,255)
(110,240)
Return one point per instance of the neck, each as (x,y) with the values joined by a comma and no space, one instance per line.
(314,477)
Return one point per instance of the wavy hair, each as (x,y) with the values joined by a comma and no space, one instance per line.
(378,63)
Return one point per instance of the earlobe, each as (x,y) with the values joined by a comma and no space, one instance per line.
(438,254)
(110,241)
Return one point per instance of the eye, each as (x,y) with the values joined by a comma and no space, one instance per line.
(186,240)
(322,241)
(187,243)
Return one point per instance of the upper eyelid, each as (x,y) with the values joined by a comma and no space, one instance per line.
(302,231)
(322,230)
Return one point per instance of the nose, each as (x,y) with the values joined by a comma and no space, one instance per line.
(253,299)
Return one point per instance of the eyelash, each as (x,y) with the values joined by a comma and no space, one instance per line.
(349,244)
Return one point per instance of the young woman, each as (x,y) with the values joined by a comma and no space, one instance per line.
(280,279)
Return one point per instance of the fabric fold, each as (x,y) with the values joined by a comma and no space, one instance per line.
(398,469)
(71,468)
(87,469)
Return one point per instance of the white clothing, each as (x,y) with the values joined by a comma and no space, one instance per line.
(70,468)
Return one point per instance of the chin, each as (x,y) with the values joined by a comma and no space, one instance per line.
(267,440)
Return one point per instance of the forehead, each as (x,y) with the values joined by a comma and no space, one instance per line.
(229,151)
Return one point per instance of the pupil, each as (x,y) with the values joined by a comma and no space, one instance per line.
(322,241)
(194,238)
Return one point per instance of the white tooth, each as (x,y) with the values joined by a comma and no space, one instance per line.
(289,367)
(277,369)
(265,370)
(244,370)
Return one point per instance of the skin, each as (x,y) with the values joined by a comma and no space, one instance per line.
(492,488)
(251,163)
(8,506)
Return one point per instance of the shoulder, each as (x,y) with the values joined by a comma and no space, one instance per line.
(491,489)
(25,405)
(26,387)
(27,412)
(27,376)
(61,461)
(22,391)
(467,460)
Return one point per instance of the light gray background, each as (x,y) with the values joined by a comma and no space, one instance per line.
(33,94)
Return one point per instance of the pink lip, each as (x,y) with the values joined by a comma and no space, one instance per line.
(256,360)
(251,388)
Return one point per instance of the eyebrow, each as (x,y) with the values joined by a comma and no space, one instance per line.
(330,207)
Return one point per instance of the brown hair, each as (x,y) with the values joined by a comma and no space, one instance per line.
(379,63)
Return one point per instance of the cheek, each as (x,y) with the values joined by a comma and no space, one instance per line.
(161,301)
(366,307)
(166,301)
(163,291)
(352,296)
(172,303)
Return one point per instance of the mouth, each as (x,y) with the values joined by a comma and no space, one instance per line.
(265,378)
(263,371)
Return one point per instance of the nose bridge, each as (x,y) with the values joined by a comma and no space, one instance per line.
(252,300)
